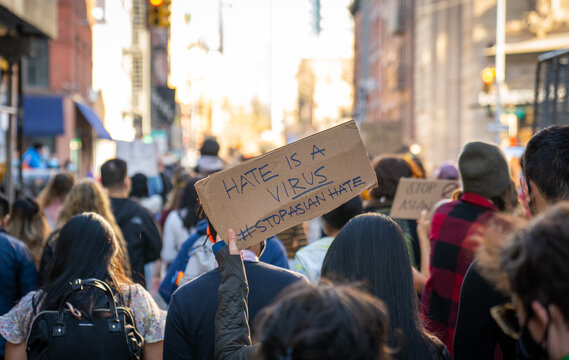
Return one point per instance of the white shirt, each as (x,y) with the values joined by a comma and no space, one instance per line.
(175,233)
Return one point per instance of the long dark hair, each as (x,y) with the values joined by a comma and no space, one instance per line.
(86,248)
(190,201)
(371,249)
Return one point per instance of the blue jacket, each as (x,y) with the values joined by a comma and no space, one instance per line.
(274,254)
(18,275)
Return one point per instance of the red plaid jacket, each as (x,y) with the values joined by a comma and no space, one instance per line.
(452,251)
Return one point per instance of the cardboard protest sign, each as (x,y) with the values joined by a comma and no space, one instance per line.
(382,137)
(280,189)
(139,156)
(415,195)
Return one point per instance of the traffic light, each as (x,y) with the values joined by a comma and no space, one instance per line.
(488,75)
(159,13)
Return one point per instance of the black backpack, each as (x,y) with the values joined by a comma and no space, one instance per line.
(109,333)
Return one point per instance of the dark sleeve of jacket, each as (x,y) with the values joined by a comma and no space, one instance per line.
(175,337)
(232,334)
(477,334)
(153,239)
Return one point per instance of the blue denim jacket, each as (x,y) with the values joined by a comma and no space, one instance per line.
(18,274)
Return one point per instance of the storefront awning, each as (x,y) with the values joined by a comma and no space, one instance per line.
(93,120)
(43,115)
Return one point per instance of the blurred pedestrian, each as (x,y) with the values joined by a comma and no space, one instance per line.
(447,171)
(308,260)
(138,226)
(18,274)
(79,256)
(86,196)
(174,197)
(209,160)
(34,158)
(51,198)
(139,193)
(486,189)
(371,249)
(180,223)
(28,224)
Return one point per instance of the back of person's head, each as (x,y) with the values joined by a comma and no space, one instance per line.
(57,188)
(113,173)
(483,169)
(536,260)
(139,186)
(210,147)
(389,169)
(189,200)
(27,222)
(447,171)
(88,196)
(546,162)
(371,249)
(340,216)
(79,256)
(324,322)
(4,206)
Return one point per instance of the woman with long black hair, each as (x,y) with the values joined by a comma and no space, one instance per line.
(371,249)
(86,248)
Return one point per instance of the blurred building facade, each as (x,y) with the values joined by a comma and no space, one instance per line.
(58,101)
(454,43)
(121,67)
(420,62)
(20,22)
(384,62)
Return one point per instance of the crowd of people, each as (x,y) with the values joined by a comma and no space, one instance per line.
(482,275)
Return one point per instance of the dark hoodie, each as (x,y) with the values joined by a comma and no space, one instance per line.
(140,233)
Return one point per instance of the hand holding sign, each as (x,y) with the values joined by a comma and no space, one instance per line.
(283,188)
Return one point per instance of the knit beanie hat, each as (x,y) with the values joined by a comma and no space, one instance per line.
(483,169)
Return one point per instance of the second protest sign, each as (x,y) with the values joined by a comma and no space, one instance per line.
(416,195)
(297,182)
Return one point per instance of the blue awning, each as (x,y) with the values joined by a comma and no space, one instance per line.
(43,115)
(94,120)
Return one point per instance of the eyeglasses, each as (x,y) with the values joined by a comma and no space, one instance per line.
(507,319)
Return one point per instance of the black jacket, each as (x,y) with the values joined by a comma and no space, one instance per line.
(477,335)
(140,233)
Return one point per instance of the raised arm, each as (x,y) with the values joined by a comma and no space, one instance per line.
(232,334)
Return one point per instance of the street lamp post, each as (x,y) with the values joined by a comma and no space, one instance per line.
(500,62)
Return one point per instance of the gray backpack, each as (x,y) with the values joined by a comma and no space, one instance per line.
(201,260)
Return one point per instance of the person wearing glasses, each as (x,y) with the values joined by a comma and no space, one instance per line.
(535,264)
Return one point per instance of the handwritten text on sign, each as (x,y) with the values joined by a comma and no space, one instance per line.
(415,195)
(297,182)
